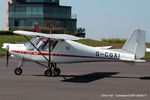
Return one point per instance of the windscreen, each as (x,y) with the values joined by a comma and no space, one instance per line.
(35,41)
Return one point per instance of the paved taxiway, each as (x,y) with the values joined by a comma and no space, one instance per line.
(85,81)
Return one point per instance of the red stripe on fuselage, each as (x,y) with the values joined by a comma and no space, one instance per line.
(59,55)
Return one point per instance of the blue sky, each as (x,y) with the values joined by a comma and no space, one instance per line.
(104,18)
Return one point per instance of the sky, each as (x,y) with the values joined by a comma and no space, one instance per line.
(104,18)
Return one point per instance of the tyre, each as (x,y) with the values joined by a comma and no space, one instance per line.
(18,71)
(48,73)
(57,72)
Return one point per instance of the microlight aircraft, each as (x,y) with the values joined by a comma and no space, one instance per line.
(48,50)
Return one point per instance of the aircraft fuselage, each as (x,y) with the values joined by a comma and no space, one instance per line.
(68,52)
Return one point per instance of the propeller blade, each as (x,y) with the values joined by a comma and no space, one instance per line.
(7,58)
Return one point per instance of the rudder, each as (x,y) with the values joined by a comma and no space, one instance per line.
(136,43)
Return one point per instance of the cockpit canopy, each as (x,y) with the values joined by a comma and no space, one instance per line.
(41,43)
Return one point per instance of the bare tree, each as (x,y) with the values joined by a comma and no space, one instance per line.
(51,24)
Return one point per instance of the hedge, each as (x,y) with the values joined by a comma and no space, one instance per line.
(6,33)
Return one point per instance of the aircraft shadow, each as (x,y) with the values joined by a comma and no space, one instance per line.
(145,78)
(88,77)
(141,78)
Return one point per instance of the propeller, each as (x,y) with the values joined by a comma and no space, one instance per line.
(7,59)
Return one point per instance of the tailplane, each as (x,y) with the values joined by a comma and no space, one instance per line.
(136,43)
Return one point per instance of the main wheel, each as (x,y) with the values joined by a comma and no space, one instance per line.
(48,73)
(18,71)
(56,72)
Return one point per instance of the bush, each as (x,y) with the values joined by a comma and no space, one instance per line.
(6,33)
(114,40)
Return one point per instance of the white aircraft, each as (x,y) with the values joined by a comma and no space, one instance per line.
(61,48)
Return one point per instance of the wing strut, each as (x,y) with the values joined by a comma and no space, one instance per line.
(49,62)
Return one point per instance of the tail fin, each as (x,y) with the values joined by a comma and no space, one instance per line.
(36,26)
(136,43)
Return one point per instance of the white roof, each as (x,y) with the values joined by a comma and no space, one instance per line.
(52,36)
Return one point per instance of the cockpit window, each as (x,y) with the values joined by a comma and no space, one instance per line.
(35,41)
(45,45)
(54,44)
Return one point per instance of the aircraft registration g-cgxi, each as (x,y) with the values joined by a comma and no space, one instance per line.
(50,49)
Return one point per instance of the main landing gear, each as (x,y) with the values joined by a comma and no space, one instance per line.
(52,71)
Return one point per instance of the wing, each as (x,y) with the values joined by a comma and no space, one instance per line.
(52,36)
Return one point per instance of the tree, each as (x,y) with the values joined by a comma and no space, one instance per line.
(51,25)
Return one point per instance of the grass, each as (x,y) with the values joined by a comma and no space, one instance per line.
(116,43)
(147,56)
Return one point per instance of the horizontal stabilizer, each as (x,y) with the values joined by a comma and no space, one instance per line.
(147,49)
(104,47)
(140,61)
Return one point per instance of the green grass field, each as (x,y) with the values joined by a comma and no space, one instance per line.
(116,43)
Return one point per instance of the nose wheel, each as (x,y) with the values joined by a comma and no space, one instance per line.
(18,71)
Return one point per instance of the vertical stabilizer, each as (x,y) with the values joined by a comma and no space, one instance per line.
(37,29)
(136,43)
